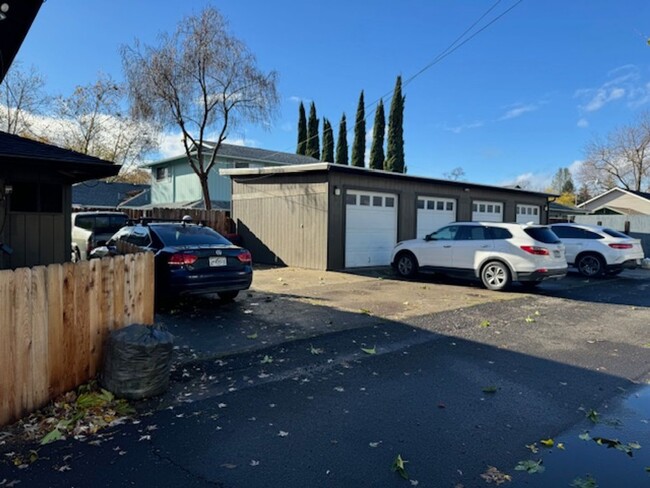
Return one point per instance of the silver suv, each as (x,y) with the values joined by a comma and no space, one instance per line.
(495,253)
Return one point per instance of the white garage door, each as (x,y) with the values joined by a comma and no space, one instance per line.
(433,213)
(370,228)
(484,211)
(528,213)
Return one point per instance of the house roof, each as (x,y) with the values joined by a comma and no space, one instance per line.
(621,210)
(639,194)
(140,200)
(104,194)
(565,209)
(245,153)
(216,205)
(326,167)
(16,151)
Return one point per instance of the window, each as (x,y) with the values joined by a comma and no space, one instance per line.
(430,205)
(471,233)
(474,207)
(615,233)
(535,210)
(139,236)
(350,199)
(497,209)
(390,202)
(162,173)
(376,201)
(35,197)
(490,209)
(446,233)
(364,200)
(499,233)
(542,234)
(481,208)
(450,206)
(440,205)
(420,204)
(181,235)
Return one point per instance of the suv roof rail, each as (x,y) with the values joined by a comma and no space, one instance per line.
(152,220)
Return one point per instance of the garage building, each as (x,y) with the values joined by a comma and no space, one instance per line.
(331,217)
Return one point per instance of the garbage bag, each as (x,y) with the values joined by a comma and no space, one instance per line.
(137,361)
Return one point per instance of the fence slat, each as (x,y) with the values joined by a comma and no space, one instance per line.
(39,346)
(56,331)
(8,382)
(54,321)
(23,344)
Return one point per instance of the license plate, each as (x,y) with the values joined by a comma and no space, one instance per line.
(556,254)
(218,261)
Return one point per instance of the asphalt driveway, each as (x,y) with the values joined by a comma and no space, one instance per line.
(322,379)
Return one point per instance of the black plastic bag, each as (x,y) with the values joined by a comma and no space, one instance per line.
(137,361)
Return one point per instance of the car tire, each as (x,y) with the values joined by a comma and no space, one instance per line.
(406,265)
(495,276)
(76,256)
(228,296)
(590,265)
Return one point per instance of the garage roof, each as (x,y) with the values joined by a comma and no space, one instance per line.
(329,167)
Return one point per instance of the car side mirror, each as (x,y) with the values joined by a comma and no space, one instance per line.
(429,237)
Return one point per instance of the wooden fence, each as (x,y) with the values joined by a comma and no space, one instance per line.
(219,220)
(54,321)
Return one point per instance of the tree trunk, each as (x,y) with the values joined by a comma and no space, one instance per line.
(203,178)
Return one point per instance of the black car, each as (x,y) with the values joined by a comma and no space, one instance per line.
(190,258)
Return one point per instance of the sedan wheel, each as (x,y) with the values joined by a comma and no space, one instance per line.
(495,276)
(590,265)
(407,266)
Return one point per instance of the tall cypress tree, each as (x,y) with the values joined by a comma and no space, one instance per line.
(395,144)
(377,148)
(302,131)
(342,143)
(313,146)
(328,142)
(359,144)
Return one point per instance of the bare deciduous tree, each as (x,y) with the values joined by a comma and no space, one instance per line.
(621,159)
(91,121)
(21,99)
(201,80)
(456,174)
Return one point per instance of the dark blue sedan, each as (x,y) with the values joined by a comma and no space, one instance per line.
(190,259)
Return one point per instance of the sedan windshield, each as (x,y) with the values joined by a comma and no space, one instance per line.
(190,235)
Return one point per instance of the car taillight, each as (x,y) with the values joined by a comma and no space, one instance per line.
(621,246)
(539,251)
(245,257)
(181,259)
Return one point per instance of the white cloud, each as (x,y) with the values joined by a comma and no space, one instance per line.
(529,181)
(574,168)
(582,123)
(460,128)
(519,110)
(171,144)
(624,83)
(296,99)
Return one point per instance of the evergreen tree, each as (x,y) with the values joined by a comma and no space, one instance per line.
(377,148)
(563,181)
(328,142)
(583,194)
(342,143)
(313,145)
(359,144)
(302,131)
(395,144)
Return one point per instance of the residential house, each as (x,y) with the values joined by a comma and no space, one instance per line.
(36,199)
(618,201)
(107,195)
(174,183)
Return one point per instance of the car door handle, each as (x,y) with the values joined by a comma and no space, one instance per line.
(484,247)
(447,246)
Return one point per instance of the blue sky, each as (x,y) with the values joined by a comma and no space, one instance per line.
(521,98)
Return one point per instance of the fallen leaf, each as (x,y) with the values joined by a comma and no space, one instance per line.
(282,433)
(533,447)
(493,475)
(254,462)
(399,466)
(530,466)
(547,442)
(229,466)
(315,350)
(560,445)
(588,482)
(252,336)
(529,320)
(374,444)
(266,360)
(484,323)
(490,389)
(584,436)
(372,350)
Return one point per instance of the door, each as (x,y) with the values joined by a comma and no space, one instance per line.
(437,251)
(527,214)
(485,211)
(433,213)
(370,228)
(472,243)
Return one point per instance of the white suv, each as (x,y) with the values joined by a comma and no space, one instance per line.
(596,250)
(496,253)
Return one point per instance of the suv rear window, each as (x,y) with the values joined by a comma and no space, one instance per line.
(188,235)
(101,224)
(542,234)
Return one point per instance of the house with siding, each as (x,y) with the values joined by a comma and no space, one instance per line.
(618,201)
(174,183)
